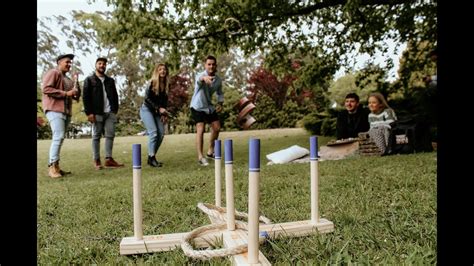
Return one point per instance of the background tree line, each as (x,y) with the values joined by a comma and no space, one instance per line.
(282,55)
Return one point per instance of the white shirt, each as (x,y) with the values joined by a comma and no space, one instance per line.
(106,100)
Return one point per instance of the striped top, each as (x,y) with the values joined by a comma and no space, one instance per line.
(383,119)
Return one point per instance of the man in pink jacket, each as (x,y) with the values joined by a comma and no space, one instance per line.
(58,92)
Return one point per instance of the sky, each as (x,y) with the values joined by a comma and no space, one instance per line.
(58,7)
(64,7)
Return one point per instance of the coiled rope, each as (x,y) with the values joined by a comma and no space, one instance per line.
(210,253)
(218,213)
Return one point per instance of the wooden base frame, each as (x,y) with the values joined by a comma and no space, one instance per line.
(165,242)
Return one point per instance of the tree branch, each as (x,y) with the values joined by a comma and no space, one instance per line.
(298,12)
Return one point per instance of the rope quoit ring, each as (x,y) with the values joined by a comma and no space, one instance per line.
(210,253)
(230,24)
(217,212)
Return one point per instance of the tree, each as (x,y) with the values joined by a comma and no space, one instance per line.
(318,35)
(341,87)
(178,95)
(415,64)
(47,46)
(416,98)
(235,68)
(372,78)
(263,82)
(127,67)
(333,27)
(278,104)
(368,79)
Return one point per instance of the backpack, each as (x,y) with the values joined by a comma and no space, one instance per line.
(409,135)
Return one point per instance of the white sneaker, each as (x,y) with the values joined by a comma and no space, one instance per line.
(203,162)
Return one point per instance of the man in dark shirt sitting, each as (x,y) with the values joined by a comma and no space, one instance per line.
(353,120)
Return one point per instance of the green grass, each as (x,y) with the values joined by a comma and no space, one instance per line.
(383,208)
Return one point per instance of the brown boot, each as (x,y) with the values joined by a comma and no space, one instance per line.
(111,163)
(97,164)
(63,173)
(53,171)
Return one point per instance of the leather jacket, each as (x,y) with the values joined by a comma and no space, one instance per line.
(93,95)
(153,102)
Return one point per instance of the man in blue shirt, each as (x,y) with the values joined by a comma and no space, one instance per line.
(202,110)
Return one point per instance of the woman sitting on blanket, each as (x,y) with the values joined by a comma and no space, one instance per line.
(380,117)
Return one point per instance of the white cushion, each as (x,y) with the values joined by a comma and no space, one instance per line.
(287,155)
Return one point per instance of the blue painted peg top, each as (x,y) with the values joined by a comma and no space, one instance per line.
(137,155)
(229,157)
(217,149)
(313,147)
(254,155)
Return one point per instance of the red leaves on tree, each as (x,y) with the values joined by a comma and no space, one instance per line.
(262,81)
(178,93)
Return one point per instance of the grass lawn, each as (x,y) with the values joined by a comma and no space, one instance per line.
(383,208)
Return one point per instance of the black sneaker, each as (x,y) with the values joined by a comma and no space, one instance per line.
(153,162)
(211,156)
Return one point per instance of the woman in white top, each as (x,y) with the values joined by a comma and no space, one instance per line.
(380,118)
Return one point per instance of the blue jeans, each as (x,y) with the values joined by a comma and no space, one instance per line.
(58,122)
(154,128)
(105,122)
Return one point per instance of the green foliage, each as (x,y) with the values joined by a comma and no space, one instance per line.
(319,124)
(331,28)
(263,81)
(279,103)
(341,87)
(372,78)
(123,128)
(78,115)
(415,65)
(268,115)
(313,122)
(414,96)
(369,79)
(128,65)
(328,127)
(182,123)
(228,115)
(43,131)
(234,67)
(47,47)
(305,73)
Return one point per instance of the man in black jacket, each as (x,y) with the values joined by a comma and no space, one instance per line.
(353,120)
(101,106)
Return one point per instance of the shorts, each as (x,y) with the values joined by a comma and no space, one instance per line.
(203,117)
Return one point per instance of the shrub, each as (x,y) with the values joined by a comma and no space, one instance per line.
(312,123)
(318,124)
(127,129)
(182,123)
(328,126)
(228,115)
(43,131)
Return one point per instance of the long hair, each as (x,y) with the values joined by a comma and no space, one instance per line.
(380,98)
(155,80)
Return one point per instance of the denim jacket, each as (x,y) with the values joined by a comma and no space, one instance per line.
(202,96)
